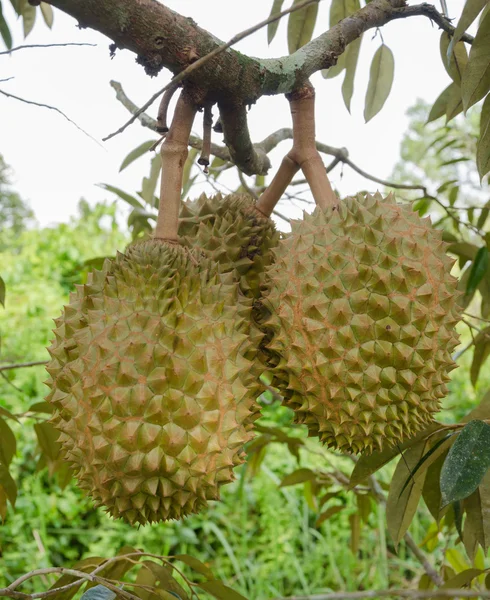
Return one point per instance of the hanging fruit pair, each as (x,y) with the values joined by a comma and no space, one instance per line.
(156,363)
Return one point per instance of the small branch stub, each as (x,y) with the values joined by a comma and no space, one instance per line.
(206,138)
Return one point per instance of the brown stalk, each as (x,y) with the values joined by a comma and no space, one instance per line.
(174,153)
(303,155)
(206,138)
(162,126)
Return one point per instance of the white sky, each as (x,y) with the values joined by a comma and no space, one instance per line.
(54,164)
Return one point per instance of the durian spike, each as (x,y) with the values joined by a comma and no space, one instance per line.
(174,153)
(302,155)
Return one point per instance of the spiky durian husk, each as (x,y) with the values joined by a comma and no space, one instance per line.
(231,232)
(153,383)
(363,308)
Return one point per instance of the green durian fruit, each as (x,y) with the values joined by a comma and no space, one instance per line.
(363,308)
(153,382)
(232,232)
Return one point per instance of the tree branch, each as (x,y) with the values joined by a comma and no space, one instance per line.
(23,365)
(25,46)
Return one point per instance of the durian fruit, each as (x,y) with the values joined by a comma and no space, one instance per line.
(231,232)
(364,310)
(153,383)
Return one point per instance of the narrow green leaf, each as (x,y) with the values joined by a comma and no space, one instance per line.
(431,491)
(466,463)
(195,564)
(401,508)
(454,60)
(460,580)
(470,11)
(324,516)
(136,153)
(47,437)
(16,5)
(454,103)
(28,18)
(340,9)
(189,163)
(2,292)
(380,81)
(351,59)
(220,591)
(298,476)
(478,270)
(335,69)
(484,490)
(272,27)
(483,144)
(476,77)
(42,407)
(149,184)
(481,353)
(8,484)
(131,200)
(301,24)
(86,565)
(47,13)
(4,30)
(439,108)
(7,443)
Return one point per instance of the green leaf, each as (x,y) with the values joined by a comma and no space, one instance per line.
(454,103)
(476,77)
(298,476)
(351,59)
(149,184)
(166,581)
(2,292)
(47,13)
(463,249)
(401,507)
(301,24)
(16,5)
(136,153)
(370,463)
(4,30)
(86,565)
(466,463)
(485,211)
(8,484)
(484,490)
(380,81)
(324,516)
(195,564)
(431,491)
(454,60)
(99,592)
(131,200)
(220,591)
(481,353)
(340,9)
(478,270)
(28,18)
(355,532)
(186,178)
(460,580)
(8,444)
(272,27)
(47,437)
(335,69)
(42,407)
(470,11)
(439,108)
(483,144)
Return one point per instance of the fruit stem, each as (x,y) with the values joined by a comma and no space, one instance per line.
(302,155)
(174,153)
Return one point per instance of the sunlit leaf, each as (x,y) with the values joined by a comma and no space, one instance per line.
(454,60)
(47,13)
(483,144)
(476,77)
(466,463)
(272,27)
(380,81)
(301,24)
(351,59)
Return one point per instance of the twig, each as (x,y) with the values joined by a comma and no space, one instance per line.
(23,365)
(24,46)
(395,593)
(42,105)
(204,59)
